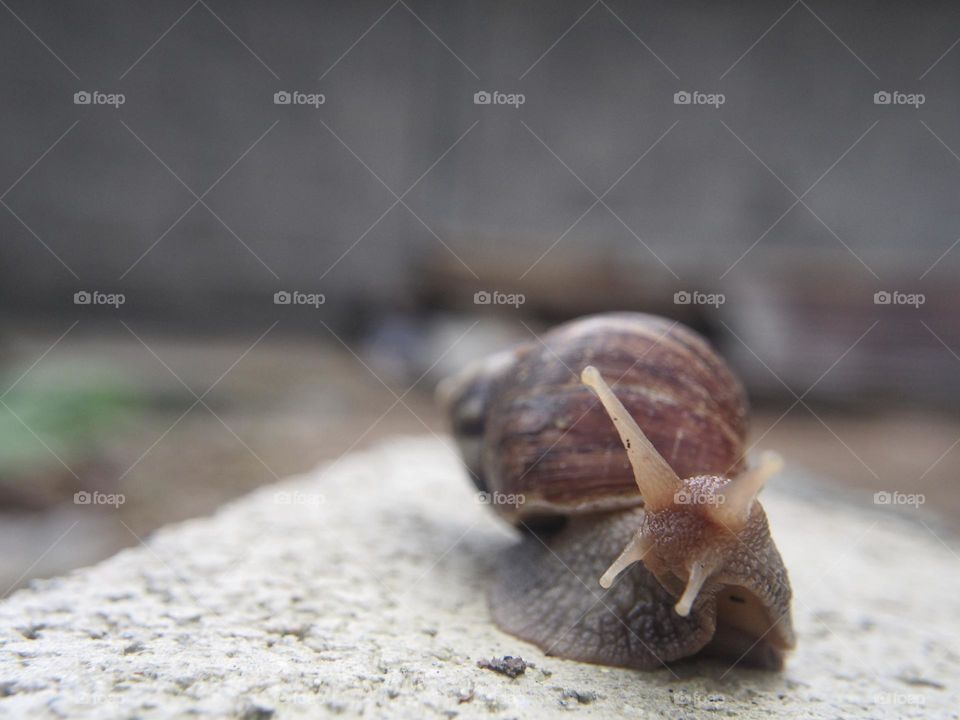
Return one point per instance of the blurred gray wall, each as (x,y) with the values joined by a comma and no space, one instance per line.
(704,194)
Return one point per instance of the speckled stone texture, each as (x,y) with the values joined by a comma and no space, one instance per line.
(359,589)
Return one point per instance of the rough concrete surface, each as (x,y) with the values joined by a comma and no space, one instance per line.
(359,589)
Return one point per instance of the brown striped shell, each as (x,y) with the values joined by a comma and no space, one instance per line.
(527,426)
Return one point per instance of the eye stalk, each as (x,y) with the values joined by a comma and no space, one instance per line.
(690,525)
(656,479)
(737,496)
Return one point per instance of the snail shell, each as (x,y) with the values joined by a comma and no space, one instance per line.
(527,426)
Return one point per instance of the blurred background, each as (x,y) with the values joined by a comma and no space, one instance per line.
(240,239)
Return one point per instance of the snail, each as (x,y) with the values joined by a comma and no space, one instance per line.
(615,443)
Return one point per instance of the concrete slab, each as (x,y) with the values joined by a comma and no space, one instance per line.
(359,589)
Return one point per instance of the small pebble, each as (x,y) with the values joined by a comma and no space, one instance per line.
(507,665)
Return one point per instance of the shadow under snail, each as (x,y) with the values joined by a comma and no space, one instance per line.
(615,443)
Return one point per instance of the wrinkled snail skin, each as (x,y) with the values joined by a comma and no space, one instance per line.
(624,434)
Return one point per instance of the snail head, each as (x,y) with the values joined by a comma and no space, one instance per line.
(700,535)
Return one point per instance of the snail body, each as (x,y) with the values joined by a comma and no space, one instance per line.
(624,434)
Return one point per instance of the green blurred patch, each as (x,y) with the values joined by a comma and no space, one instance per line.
(73,408)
